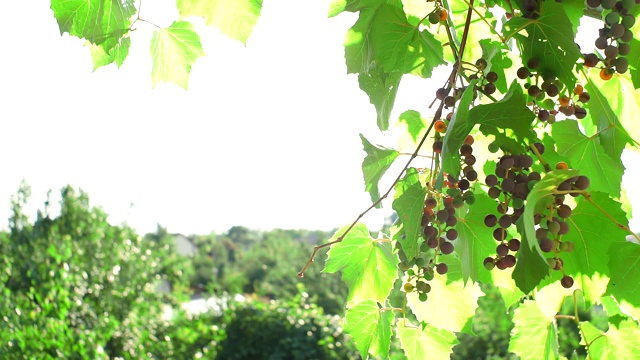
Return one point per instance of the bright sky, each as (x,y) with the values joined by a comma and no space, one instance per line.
(266,136)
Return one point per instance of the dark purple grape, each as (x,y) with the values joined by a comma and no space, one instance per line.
(539,147)
(523,73)
(506,162)
(499,234)
(446,248)
(546,244)
(430,231)
(441,93)
(505,221)
(566,281)
(442,215)
(514,244)
(471,175)
(463,184)
(582,182)
(564,228)
(442,268)
(564,211)
(591,60)
(490,220)
(508,185)
(541,233)
(452,234)
(502,250)
(491,77)
(552,90)
(432,243)
(452,221)
(494,192)
(466,150)
(509,261)
(491,180)
(533,63)
(489,88)
(488,263)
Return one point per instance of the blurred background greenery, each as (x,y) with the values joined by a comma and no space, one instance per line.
(75,286)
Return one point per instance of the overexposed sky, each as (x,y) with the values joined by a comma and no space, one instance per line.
(266,136)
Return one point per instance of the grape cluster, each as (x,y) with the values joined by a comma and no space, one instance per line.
(510,183)
(552,225)
(614,38)
(552,89)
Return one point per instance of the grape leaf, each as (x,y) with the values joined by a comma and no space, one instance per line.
(370,328)
(459,127)
(475,240)
(381,88)
(409,204)
(118,54)
(586,154)
(415,123)
(368,266)
(624,263)
(634,62)
(510,112)
(612,113)
(530,267)
(374,166)
(102,22)
(593,234)
(496,62)
(173,52)
(620,342)
(550,39)
(234,18)
(425,343)
(450,304)
(532,326)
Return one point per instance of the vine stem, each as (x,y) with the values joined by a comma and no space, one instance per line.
(456,68)
(485,21)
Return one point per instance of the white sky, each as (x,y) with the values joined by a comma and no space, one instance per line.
(266,136)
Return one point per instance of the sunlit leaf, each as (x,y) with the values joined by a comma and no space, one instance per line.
(425,343)
(408,204)
(532,326)
(619,342)
(375,165)
(370,328)
(624,263)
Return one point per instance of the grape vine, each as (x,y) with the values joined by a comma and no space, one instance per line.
(521,188)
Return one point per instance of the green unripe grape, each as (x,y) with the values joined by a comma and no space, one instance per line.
(423,287)
(628,4)
(493,147)
(470,200)
(554,227)
(628,21)
(434,18)
(423,297)
(612,18)
(421,262)
(408,287)
(551,262)
(428,275)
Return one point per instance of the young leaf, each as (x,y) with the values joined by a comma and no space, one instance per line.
(381,88)
(550,39)
(368,266)
(173,51)
(532,326)
(586,154)
(409,203)
(415,123)
(370,328)
(450,304)
(118,53)
(101,22)
(620,342)
(234,18)
(624,264)
(374,165)
(593,234)
(425,343)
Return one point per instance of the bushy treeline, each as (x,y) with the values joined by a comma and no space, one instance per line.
(76,287)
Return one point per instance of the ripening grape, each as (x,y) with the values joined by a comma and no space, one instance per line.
(564,101)
(628,21)
(440,126)
(593,3)
(533,91)
(489,263)
(624,49)
(561,165)
(408,287)
(591,60)
(437,146)
(441,93)
(443,14)
(554,227)
(543,115)
(610,52)
(580,113)
(606,74)
(617,30)
(434,18)
(546,244)
(601,43)
(627,36)
(442,268)
(423,287)
(566,281)
(491,77)
(449,101)
(621,64)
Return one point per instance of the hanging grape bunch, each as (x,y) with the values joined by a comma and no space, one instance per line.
(550,96)
(614,38)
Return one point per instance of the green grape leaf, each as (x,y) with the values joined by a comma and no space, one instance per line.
(370,328)
(574,9)
(475,240)
(530,267)
(497,61)
(450,304)
(612,113)
(424,54)
(368,266)
(409,204)
(425,343)
(634,62)
(415,123)
(624,263)
(173,52)
(381,88)
(550,39)
(593,234)
(459,127)
(532,326)
(118,54)
(510,112)
(374,166)
(478,30)
(620,342)
(234,18)
(101,22)
(586,154)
